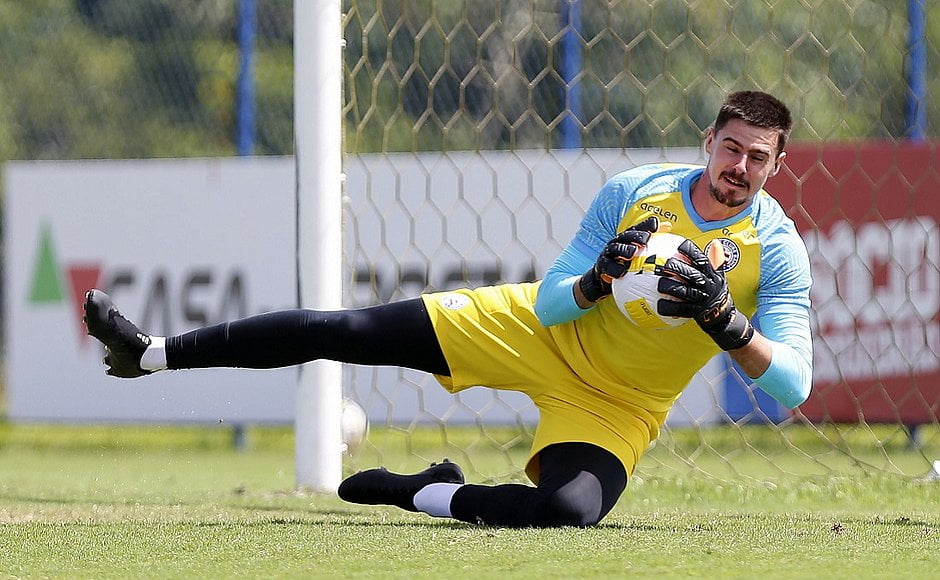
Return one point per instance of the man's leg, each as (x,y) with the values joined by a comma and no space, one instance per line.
(395,334)
(382,487)
(579,484)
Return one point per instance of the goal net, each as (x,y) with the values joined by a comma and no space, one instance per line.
(476,134)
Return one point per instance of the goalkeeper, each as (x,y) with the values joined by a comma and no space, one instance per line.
(603,386)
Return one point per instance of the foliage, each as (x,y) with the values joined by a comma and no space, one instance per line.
(115,79)
(490,74)
(157,78)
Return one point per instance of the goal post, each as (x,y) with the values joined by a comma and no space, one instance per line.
(318,158)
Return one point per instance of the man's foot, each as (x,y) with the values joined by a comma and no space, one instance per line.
(382,487)
(124,342)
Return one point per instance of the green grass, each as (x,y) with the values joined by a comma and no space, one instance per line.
(111,502)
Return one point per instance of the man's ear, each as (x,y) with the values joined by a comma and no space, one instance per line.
(778,163)
(709,139)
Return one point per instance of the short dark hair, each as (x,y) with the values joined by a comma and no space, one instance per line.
(758,109)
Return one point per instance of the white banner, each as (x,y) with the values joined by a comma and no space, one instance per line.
(185,243)
(440,221)
(178,244)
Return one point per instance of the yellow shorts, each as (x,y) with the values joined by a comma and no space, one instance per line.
(491,337)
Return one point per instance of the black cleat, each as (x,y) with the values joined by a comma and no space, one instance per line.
(382,487)
(123,341)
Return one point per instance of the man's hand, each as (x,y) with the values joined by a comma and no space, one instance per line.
(703,296)
(615,258)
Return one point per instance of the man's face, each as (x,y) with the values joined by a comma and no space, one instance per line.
(741,159)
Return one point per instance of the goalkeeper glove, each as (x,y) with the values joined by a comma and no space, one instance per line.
(615,258)
(704,297)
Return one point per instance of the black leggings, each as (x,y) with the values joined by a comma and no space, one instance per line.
(579,482)
(394,334)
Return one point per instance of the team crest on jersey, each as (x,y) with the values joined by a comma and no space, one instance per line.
(732,254)
(454,301)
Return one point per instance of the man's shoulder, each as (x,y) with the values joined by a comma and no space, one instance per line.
(768,215)
(658,170)
(654,177)
(777,232)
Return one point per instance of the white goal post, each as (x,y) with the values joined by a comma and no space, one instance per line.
(318,154)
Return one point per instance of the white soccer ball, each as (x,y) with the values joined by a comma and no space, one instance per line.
(355,425)
(636,292)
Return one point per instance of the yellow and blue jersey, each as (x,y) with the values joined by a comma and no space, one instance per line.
(595,376)
(766,265)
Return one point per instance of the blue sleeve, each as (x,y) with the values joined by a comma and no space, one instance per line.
(783,307)
(555,302)
(789,377)
(785,271)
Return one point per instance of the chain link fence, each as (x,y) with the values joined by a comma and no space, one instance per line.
(159,78)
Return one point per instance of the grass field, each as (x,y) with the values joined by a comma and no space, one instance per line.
(110,502)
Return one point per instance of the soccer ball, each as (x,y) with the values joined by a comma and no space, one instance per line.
(636,291)
(355,425)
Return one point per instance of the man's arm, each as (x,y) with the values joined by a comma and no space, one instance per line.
(780,356)
(779,359)
(754,358)
(558,298)
(563,296)
(555,302)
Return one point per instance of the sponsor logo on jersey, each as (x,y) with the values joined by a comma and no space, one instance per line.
(663,213)
(454,301)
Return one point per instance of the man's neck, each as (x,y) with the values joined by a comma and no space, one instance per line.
(706,206)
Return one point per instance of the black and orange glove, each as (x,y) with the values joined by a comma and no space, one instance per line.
(614,259)
(703,296)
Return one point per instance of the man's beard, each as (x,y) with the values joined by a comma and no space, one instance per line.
(724,198)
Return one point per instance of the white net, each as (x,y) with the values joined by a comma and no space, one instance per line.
(454,116)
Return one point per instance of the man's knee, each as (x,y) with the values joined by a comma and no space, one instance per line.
(579,503)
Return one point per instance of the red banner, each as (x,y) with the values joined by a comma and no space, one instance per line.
(869,215)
